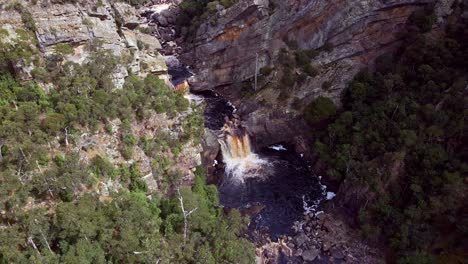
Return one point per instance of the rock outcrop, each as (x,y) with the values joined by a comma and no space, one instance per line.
(112,26)
(319,238)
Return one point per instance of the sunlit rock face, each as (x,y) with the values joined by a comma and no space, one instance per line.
(91,26)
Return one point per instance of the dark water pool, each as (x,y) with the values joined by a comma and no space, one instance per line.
(288,186)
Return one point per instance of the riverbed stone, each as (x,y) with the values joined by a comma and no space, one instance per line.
(310,254)
(326,246)
(301,239)
(337,253)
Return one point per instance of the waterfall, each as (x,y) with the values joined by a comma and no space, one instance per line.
(241,162)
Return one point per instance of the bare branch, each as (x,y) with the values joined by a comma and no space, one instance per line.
(185,214)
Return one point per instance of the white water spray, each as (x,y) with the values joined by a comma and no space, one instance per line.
(241,162)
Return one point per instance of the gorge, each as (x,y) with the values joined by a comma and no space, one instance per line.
(233,131)
(285,65)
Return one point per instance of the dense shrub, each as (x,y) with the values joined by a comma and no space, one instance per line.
(319,109)
(402,138)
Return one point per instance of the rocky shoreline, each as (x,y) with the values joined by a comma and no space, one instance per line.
(320,238)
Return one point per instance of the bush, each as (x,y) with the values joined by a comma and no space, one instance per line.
(319,109)
(395,117)
(266,71)
(310,70)
(64,49)
(26,17)
(424,19)
(228,3)
(302,58)
(289,79)
(327,47)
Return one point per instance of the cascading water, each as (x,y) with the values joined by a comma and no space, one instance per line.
(241,162)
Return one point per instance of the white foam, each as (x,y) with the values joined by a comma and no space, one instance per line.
(330,195)
(160,7)
(241,162)
(278,147)
(239,169)
(310,207)
(194,98)
(234,109)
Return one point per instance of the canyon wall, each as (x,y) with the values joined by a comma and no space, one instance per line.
(227,50)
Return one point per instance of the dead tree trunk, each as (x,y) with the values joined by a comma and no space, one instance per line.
(31,242)
(45,240)
(256,70)
(1,145)
(185,214)
(66,136)
(45,179)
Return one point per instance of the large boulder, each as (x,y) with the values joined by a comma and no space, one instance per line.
(127,15)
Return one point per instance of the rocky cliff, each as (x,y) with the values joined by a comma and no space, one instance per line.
(236,42)
(127,33)
(113,26)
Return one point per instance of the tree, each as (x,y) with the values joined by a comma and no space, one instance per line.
(319,109)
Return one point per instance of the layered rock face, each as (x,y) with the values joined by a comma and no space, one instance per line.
(249,35)
(128,33)
(112,25)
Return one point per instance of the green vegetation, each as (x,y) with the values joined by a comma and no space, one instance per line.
(326,85)
(125,228)
(51,209)
(319,109)
(399,149)
(19,50)
(424,19)
(295,68)
(63,49)
(266,71)
(26,17)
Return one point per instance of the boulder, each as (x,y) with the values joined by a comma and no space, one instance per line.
(59,23)
(162,20)
(130,38)
(154,63)
(337,253)
(151,41)
(170,14)
(301,239)
(211,147)
(127,15)
(310,254)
